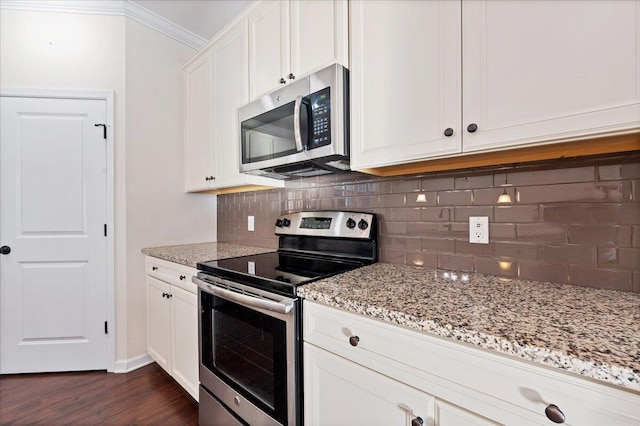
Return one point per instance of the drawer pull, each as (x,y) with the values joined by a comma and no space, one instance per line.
(417,422)
(154,268)
(354,340)
(182,277)
(554,413)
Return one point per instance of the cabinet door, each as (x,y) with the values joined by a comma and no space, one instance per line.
(268,46)
(184,333)
(405,81)
(159,322)
(538,71)
(230,87)
(199,147)
(319,35)
(341,392)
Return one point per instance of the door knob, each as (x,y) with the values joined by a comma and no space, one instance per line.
(471,128)
(354,340)
(5,249)
(448,132)
(417,422)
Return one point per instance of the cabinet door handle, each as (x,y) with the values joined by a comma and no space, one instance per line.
(291,76)
(554,413)
(448,132)
(164,294)
(283,81)
(471,128)
(354,340)
(154,268)
(182,277)
(417,422)
(206,178)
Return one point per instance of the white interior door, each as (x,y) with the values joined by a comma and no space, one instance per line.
(53,199)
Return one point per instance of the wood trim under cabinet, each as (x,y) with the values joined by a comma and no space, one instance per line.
(606,145)
(245,188)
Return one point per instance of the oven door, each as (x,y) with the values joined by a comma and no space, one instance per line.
(249,350)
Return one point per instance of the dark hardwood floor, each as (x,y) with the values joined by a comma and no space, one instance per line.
(147,396)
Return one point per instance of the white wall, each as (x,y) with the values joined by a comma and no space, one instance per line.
(158,210)
(100,52)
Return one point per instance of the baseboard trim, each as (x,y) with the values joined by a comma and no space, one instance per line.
(127,365)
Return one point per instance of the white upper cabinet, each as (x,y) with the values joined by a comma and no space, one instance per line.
(200,164)
(405,81)
(499,74)
(213,98)
(537,71)
(291,39)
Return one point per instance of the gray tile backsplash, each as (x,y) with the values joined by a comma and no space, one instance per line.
(573,221)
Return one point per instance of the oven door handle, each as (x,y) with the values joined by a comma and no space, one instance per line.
(243,299)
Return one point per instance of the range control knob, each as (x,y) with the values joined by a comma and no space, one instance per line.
(286,222)
(351,223)
(279,223)
(363,224)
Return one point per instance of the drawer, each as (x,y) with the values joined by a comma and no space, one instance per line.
(496,386)
(172,273)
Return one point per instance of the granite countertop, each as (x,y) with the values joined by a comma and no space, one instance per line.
(591,332)
(191,254)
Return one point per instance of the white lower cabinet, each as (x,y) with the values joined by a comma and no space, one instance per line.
(358,370)
(341,392)
(172,321)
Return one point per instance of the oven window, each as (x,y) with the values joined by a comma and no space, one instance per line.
(247,349)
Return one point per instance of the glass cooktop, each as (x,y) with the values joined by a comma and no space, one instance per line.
(279,271)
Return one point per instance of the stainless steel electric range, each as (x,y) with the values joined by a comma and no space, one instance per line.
(250,321)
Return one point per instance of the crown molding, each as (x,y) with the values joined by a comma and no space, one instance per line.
(111,7)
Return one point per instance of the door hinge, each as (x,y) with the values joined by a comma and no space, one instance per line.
(105,229)
(106,327)
(104,129)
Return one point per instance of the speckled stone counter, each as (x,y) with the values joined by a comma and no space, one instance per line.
(191,254)
(592,332)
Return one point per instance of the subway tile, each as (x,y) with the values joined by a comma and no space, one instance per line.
(437,214)
(405,185)
(439,245)
(431,199)
(636,282)
(471,182)
(379,187)
(635,236)
(502,268)
(407,214)
(635,191)
(514,213)
(455,262)
(541,232)
(422,259)
(539,271)
(587,213)
(570,193)
(489,197)
(593,234)
(391,200)
(455,198)
(393,228)
(607,257)
(624,236)
(465,247)
(437,183)
(502,231)
(462,213)
(550,177)
(569,254)
(516,250)
(437,230)
(407,243)
(392,256)
(610,279)
(365,202)
(630,214)
(629,258)
(619,172)
(382,213)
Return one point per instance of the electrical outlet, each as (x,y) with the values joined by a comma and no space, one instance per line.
(250,223)
(479,229)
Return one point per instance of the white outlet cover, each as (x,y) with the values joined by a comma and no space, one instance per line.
(250,223)
(479,229)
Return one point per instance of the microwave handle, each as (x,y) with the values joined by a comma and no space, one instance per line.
(297,108)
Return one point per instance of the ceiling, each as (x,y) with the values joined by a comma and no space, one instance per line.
(202,17)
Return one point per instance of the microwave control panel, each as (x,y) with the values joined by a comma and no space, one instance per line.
(321,118)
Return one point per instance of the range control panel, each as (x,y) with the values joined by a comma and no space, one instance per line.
(337,224)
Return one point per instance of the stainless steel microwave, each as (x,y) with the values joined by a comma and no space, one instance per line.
(299,130)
